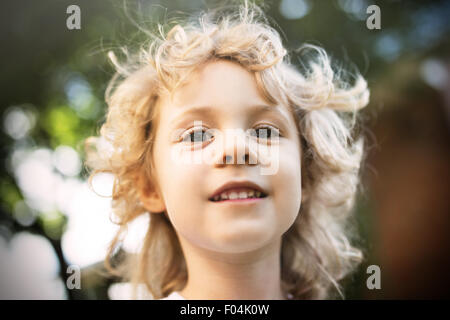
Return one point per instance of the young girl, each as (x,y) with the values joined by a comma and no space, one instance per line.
(221,89)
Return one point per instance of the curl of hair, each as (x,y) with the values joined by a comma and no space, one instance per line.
(316,250)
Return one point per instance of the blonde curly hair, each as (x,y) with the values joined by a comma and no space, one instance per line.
(316,250)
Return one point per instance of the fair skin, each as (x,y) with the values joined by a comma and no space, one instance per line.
(232,248)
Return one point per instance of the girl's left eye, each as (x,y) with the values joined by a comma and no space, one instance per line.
(266,132)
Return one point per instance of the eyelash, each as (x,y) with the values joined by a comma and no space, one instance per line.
(190,132)
(271,128)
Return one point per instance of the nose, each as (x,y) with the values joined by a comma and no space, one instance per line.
(237,148)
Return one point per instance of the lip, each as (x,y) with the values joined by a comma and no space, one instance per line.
(240,201)
(239,184)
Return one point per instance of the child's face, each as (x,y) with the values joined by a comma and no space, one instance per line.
(186,188)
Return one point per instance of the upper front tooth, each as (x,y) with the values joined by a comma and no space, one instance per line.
(233,195)
(242,195)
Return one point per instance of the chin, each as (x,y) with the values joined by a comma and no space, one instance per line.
(240,243)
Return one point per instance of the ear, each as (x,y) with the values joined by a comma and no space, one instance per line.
(150,195)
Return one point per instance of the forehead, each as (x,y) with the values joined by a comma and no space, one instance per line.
(221,80)
(226,86)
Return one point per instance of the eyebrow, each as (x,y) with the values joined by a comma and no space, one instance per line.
(210,110)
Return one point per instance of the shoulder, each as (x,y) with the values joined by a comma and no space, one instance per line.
(124,291)
(173,296)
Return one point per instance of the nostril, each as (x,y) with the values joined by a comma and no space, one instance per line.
(228,159)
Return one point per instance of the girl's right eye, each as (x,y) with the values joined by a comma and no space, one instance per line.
(196,135)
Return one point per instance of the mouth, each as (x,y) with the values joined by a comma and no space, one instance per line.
(238,192)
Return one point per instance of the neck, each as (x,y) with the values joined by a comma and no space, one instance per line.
(238,276)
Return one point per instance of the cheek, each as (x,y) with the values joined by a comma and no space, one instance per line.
(287,185)
(181,186)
